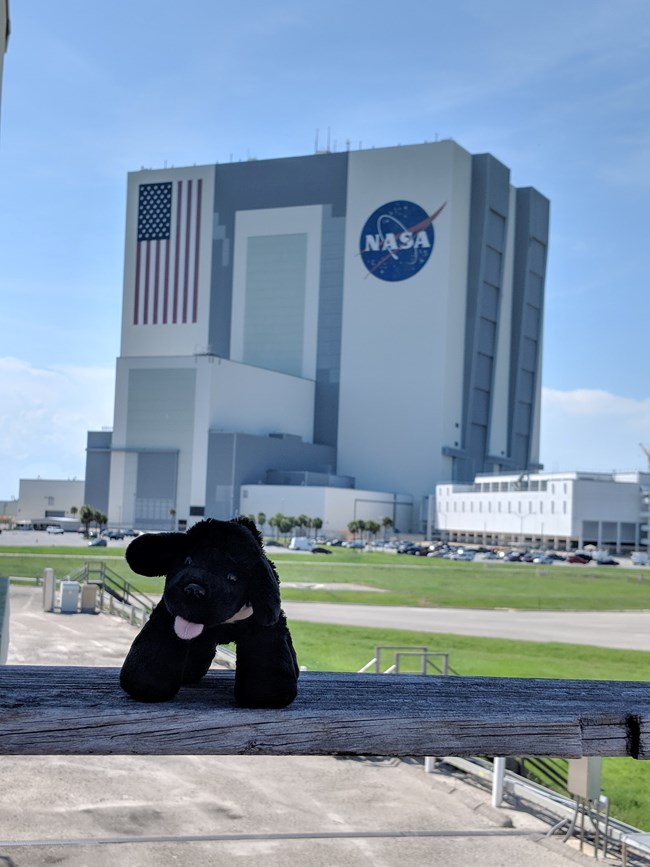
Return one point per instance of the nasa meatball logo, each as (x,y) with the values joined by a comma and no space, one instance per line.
(397,240)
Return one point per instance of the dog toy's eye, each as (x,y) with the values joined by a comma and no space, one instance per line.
(231,577)
(188,561)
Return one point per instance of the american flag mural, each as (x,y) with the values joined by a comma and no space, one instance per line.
(168,245)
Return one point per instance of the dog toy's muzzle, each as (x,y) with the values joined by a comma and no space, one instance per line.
(187,630)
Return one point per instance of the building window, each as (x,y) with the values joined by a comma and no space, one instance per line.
(564,506)
(197,511)
(541,508)
(50,501)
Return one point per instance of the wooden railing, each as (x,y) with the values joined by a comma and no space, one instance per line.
(68,710)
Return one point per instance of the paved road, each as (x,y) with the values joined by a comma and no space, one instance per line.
(627,630)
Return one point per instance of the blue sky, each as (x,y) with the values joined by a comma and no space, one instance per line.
(560,93)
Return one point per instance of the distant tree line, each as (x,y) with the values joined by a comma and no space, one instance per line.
(287,525)
(369,529)
(301,525)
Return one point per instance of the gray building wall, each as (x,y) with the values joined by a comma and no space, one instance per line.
(98,469)
(488,233)
(531,245)
(239,458)
(293,182)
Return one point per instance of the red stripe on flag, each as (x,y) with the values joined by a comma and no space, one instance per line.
(186,269)
(197,244)
(178,250)
(156,285)
(166,284)
(136,297)
(145,314)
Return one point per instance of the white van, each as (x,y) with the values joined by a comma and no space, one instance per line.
(300,543)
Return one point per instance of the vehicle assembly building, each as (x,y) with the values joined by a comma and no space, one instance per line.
(367,322)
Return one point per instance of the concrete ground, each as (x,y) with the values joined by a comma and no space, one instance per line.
(92,811)
(626,630)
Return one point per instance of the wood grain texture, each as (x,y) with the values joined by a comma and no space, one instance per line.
(74,711)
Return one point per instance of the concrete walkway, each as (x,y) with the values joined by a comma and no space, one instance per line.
(287,812)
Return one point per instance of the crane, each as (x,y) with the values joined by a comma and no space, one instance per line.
(646,452)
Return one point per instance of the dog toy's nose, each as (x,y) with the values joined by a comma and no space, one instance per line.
(194,590)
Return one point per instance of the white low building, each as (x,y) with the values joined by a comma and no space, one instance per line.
(49,501)
(546,510)
(336,507)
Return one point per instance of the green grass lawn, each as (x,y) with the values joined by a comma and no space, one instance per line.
(426,582)
(404,580)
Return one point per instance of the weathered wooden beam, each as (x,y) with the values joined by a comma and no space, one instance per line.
(71,711)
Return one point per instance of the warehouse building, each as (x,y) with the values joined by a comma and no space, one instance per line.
(366,321)
(547,510)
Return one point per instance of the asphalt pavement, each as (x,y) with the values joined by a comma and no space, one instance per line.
(626,630)
(96,811)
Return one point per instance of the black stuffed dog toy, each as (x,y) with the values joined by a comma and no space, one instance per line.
(219,588)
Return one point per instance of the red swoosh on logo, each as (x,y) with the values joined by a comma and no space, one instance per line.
(419,227)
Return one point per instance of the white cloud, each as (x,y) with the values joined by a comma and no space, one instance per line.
(588,429)
(45,414)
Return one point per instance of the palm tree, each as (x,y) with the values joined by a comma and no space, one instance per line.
(86,517)
(373,528)
(275,522)
(172,515)
(261,520)
(386,523)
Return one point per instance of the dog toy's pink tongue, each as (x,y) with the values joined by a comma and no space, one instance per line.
(186,630)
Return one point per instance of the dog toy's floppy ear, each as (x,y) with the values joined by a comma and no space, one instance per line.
(251,526)
(264,592)
(151,553)
(264,586)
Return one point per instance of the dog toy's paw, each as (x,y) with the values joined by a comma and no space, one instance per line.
(147,688)
(261,698)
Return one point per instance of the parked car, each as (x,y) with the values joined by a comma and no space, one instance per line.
(490,555)
(97,543)
(55,531)
(582,559)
